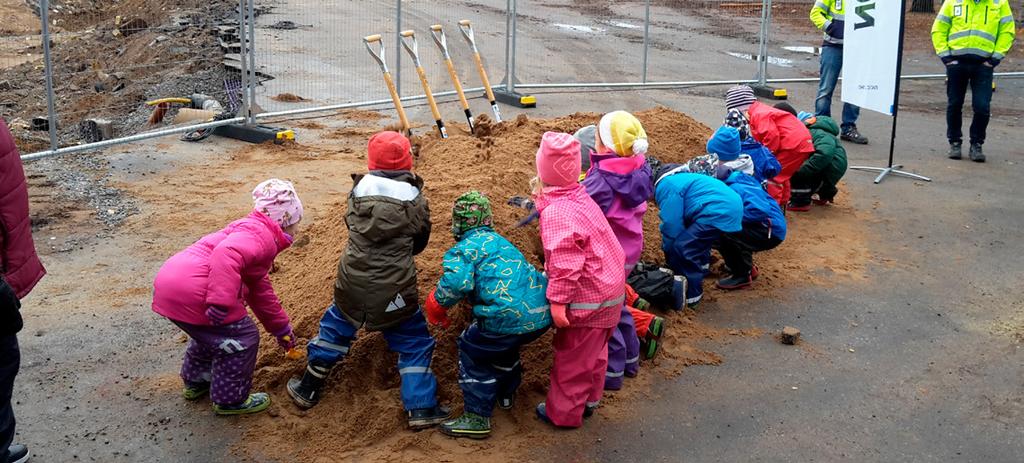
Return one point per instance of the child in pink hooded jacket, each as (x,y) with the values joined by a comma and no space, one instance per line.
(205,289)
(619,181)
(585,265)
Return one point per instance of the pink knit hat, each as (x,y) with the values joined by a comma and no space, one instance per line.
(558,159)
(278,200)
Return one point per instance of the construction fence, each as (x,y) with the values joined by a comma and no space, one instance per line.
(75,79)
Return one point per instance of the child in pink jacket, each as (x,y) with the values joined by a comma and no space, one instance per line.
(585,266)
(619,181)
(205,289)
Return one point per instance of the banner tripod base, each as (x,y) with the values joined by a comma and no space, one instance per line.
(884,171)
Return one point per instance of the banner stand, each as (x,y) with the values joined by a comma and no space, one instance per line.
(894,168)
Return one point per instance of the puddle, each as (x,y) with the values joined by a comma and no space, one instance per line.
(625,25)
(804,49)
(576,28)
(781,62)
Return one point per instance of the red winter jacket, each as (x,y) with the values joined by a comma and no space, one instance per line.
(787,138)
(18,260)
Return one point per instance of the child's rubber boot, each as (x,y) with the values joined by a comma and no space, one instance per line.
(257,402)
(305,392)
(651,343)
(736,282)
(507,402)
(590,408)
(468,425)
(426,417)
(542,413)
(679,293)
(195,391)
(798,207)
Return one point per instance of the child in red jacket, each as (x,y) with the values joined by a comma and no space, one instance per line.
(205,289)
(585,265)
(781,132)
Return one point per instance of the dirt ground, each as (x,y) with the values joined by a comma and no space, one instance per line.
(910,309)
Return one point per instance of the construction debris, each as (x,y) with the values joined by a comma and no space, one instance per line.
(790,335)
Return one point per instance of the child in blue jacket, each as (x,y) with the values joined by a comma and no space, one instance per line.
(764,228)
(510,310)
(695,210)
(755,159)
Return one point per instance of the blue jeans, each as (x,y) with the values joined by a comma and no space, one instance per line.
(410,339)
(831,67)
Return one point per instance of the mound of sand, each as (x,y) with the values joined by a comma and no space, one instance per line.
(360,415)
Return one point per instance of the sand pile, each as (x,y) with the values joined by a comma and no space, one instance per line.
(360,415)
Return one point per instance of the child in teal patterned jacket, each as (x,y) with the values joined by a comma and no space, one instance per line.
(510,310)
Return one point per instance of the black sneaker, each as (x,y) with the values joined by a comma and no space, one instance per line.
(736,282)
(507,403)
(17,453)
(851,134)
(426,417)
(956,150)
(976,154)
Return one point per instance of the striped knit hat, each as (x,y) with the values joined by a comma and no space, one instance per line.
(739,97)
(622,133)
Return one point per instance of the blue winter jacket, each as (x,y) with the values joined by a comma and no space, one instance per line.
(758,206)
(765,165)
(686,198)
(507,293)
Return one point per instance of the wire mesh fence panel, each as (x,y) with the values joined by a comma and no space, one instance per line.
(487,21)
(311,53)
(21,74)
(567,41)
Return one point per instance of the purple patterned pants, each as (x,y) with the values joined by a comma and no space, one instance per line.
(224,356)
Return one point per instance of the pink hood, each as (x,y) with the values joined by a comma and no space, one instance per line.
(228,269)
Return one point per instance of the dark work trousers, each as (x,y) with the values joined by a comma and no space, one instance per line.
(738,248)
(489,366)
(10,361)
(960,76)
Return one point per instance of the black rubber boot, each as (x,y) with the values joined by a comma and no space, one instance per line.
(427,417)
(956,150)
(305,392)
(976,154)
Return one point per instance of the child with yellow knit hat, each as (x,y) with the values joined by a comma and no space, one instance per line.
(619,181)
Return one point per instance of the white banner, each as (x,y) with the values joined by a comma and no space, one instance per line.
(870,52)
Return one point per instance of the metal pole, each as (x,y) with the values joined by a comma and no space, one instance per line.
(398,47)
(762,52)
(245,109)
(51,112)
(511,85)
(252,62)
(647,35)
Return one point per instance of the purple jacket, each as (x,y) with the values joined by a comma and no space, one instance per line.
(19,263)
(621,187)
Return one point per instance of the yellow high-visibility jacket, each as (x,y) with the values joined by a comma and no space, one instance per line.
(982,28)
(828,15)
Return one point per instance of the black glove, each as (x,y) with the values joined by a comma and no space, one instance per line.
(10,317)
(835,30)
(994,62)
(947,60)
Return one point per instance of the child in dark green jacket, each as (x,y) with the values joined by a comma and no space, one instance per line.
(510,310)
(822,171)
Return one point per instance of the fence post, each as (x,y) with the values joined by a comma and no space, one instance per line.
(647,35)
(398,48)
(246,107)
(762,52)
(253,80)
(510,86)
(51,112)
